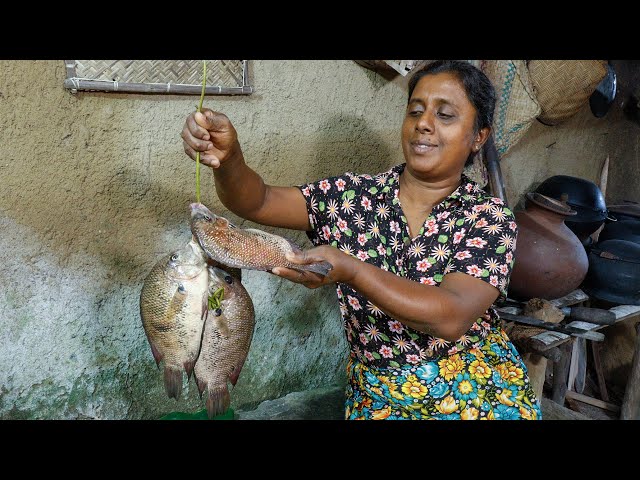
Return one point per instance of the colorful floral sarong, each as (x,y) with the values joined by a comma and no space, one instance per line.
(485,382)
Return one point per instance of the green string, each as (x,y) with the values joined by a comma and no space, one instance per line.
(215,300)
(204,83)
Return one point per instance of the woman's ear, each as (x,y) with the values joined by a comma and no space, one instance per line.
(481,137)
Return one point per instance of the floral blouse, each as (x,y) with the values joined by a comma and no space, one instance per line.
(469,232)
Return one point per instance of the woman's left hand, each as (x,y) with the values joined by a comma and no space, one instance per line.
(343,271)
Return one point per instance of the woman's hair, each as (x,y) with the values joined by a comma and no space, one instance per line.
(479,88)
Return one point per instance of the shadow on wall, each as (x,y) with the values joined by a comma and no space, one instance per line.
(346,144)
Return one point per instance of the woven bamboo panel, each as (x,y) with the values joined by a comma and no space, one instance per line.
(229,76)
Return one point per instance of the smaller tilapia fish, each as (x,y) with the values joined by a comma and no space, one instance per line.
(173,308)
(225,342)
(244,247)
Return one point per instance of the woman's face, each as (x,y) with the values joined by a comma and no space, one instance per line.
(438,129)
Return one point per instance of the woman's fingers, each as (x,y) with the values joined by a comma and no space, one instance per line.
(308,279)
(194,142)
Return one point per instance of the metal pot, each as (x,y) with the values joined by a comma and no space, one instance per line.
(614,272)
(623,230)
(601,100)
(583,196)
(625,211)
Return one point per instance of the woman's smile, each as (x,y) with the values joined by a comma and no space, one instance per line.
(423,147)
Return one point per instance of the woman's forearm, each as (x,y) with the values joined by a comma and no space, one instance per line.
(240,188)
(434,310)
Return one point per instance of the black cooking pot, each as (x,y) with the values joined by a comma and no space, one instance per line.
(584,196)
(625,211)
(624,230)
(601,100)
(614,272)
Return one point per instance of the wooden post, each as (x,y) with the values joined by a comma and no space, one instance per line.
(561,373)
(536,368)
(492,159)
(597,365)
(631,400)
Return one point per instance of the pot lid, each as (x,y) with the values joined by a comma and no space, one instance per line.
(551,204)
(621,250)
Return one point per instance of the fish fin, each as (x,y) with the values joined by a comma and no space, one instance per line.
(157,356)
(173,381)
(204,314)
(188,366)
(222,325)
(320,267)
(223,223)
(294,246)
(218,400)
(233,378)
(201,385)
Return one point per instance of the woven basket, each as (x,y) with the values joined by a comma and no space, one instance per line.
(516,104)
(564,86)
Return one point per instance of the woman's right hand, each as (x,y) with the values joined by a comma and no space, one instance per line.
(212,134)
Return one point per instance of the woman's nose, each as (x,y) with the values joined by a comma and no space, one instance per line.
(425,123)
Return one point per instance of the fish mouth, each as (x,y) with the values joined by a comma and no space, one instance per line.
(198,210)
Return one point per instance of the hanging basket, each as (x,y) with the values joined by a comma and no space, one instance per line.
(516,104)
(564,86)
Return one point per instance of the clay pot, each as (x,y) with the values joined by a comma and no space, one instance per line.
(550,261)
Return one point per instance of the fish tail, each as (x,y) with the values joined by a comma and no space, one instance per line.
(218,400)
(201,385)
(320,267)
(157,356)
(173,381)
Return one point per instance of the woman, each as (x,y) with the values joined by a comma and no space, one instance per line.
(420,254)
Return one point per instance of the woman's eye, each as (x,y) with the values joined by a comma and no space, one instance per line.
(444,115)
(415,113)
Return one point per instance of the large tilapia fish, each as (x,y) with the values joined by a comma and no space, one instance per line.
(247,248)
(173,308)
(225,343)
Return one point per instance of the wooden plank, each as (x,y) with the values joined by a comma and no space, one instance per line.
(561,374)
(577,296)
(625,311)
(597,364)
(573,366)
(592,401)
(546,340)
(631,400)
(511,310)
(554,411)
(555,327)
(581,371)
(583,325)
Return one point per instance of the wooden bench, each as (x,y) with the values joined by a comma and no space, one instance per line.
(564,351)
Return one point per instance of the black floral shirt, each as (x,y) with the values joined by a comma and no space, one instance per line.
(469,231)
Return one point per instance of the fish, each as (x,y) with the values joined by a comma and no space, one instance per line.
(227,336)
(245,248)
(174,308)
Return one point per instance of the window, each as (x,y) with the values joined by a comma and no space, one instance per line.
(181,77)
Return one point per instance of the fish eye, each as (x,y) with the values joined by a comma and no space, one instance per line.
(207,218)
(228,279)
(174,257)
(218,312)
(181,288)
